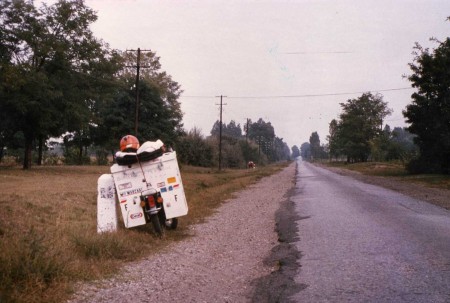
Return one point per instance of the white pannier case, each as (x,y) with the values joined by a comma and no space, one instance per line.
(149,169)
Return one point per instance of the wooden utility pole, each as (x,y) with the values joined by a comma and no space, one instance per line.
(246,131)
(138,67)
(220,132)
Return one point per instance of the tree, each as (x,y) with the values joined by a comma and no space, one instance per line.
(404,139)
(54,71)
(261,130)
(250,151)
(160,115)
(278,150)
(263,146)
(157,119)
(295,151)
(314,143)
(360,122)
(305,149)
(263,134)
(161,83)
(382,148)
(429,112)
(333,139)
(193,149)
(231,130)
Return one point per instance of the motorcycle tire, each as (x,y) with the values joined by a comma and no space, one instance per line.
(168,223)
(171,223)
(156,225)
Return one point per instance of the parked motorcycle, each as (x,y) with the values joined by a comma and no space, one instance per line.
(148,185)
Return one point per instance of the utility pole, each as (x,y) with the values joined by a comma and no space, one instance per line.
(138,67)
(220,132)
(246,132)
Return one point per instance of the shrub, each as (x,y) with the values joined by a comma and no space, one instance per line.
(72,157)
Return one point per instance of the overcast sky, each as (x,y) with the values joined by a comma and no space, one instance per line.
(288,62)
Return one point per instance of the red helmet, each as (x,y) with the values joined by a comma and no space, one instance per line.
(129,143)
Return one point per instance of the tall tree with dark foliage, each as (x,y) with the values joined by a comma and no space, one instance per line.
(429,112)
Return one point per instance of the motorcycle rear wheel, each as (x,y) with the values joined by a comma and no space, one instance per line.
(156,225)
(171,223)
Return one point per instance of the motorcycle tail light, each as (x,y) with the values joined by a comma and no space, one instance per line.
(142,203)
(159,200)
(151,201)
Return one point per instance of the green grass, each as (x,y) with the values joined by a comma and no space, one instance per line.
(48,226)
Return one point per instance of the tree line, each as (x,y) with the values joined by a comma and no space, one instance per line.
(424,146)
(59,81)
(256,142)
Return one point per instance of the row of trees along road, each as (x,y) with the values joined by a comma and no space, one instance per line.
(56,78)
(259,144)
(396,144)
(359,135)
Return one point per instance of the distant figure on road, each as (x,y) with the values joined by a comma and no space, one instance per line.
(251,164)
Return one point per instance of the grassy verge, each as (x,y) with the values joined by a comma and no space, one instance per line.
(48,220)
(397,170)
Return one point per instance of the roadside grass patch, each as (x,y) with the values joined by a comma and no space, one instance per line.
(436,181)
(394,169)
(48,226)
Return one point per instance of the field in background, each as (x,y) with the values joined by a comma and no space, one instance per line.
(48,217)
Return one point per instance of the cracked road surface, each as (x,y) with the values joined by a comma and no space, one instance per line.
(363,243)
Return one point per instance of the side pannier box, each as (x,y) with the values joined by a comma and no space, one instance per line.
(161,174)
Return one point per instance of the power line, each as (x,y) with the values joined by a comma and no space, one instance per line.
(302,96)
(309,53)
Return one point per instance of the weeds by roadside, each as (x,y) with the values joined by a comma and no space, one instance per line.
(395,169)
(48,238)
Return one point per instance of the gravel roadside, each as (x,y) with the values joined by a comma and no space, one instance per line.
(233,257)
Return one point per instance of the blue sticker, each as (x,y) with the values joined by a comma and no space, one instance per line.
(170,188)
(163,190)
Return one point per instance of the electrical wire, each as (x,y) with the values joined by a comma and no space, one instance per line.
(300,96)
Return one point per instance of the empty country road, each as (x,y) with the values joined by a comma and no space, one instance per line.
(363,243)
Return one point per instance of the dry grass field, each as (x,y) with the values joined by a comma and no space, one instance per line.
(48,238)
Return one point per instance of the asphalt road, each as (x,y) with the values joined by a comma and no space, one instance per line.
(363,243)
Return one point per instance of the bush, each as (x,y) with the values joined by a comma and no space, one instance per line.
(101,156)
(72,157)
(193,149)
(53,159)
(422,166)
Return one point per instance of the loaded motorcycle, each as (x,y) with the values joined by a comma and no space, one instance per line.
(147,184)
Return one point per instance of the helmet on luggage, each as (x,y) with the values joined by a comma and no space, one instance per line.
(129,143)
